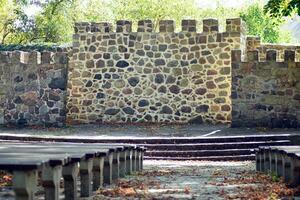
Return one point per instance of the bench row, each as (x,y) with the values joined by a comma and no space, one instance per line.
(96,165)
(283,161)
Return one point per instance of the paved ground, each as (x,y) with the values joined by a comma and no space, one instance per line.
(101,131)
(197,180)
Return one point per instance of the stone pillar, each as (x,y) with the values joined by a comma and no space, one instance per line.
(122,165)
(115,165)
(86,174)
(273,167)
(98,173)
(70,173)
(51,181)
(107,169)
(142,160)
(24,184)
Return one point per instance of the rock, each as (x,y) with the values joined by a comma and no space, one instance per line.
(202,109)
(122,64)
(119,84)
(43,110)
(186,109)
(225,71)
(159,78)
(100,64)
(89,84)
(200,91)
(173,63)
(98,76)
(143,103)
(197,68)
(112,111)
(225,108)
(128,111)
(58,83)
(174,89)
(100,95)
(196,120)
(32,76)
(18,100)
(18,79)
(170,79)
(87,102)
(31,98)
(133,81)
(166,110)
(210,85)
(162,89)
(159,62)
(90,64)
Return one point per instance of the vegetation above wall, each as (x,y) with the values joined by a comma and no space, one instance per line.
(53,23)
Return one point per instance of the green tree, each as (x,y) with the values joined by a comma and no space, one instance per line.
(280,8)
(263,25)
(155,10)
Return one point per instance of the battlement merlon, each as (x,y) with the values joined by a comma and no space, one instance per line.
(235,25)
(253,56)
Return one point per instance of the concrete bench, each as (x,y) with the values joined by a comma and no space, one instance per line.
(95,163)
(284,161)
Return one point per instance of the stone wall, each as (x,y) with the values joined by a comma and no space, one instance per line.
(33,88)
(147,76)
(265,92)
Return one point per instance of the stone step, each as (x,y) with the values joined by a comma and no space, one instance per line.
(206,158)
(153,140)
(201,153)
(215,146)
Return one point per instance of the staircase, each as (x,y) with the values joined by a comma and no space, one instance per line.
(229,148)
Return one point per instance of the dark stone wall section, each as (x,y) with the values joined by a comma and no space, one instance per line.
(265,93)
(33,88)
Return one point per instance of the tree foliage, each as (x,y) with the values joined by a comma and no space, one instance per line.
(280,8)
(54,23)
(263,25)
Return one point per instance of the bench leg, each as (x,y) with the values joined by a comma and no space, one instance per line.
(258,161)
(115,165)
(25,184)
(266,161)
(86,175)
(134,160)
(273,165)
(98,173)
(122,163)
(295,172)
(142,161)
(129,162)
(70,173)
(279,165)
(107,169)
(286,168)
(139,158)
(51,181)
